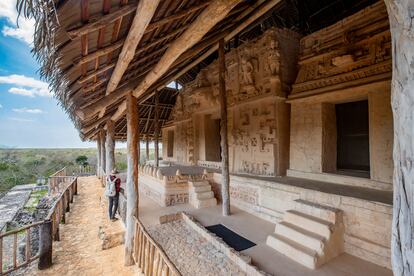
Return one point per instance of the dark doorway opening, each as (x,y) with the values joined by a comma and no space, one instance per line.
(212,134)
(170,143)
(352,124)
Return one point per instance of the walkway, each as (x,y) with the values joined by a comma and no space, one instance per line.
(79,251)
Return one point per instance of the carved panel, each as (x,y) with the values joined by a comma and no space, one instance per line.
(346,53)
(246,194)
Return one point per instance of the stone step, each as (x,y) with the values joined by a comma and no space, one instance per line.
(301,236)
(198,189)
(204,195)
(293,250)
(313,224)
(317,210)
(198,183)
(203,203)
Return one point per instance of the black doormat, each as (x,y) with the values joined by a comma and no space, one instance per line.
(232,239)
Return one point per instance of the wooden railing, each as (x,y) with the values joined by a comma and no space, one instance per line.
(56,179)
(149,256)
(21,234)
(61,172)
(61,206)
(48,230)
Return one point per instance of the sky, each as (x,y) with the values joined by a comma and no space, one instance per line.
(30,116)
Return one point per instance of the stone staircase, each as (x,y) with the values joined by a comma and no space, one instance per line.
(311,234)
(200,194)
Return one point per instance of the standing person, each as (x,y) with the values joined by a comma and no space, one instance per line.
(112,189)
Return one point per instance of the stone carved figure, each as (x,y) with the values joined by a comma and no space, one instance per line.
(273,58)
(201,79)
(247,70)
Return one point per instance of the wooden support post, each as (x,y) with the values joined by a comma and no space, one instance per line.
(147,148)
(132,175)
(45,245)
(98,155)
(76,187)
(157,128)
(400,14)
(110,146)
(103,152)
(225,185)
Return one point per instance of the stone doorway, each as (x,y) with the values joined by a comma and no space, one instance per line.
(352,124)
(212,136)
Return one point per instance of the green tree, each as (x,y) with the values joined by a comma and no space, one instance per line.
(82,160)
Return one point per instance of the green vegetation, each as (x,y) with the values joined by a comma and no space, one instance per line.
(34,199)
(24,166)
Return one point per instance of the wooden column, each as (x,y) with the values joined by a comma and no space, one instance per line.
(110,146)
(45,245)
(401,13)
(103,151)
(157,128)
(132,175)
(147,148)
(98,155)
(225,185)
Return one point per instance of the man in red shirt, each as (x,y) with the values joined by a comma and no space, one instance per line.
(113,200)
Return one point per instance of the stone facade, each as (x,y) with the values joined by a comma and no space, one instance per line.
(367,224)
(282,94)
(258,79)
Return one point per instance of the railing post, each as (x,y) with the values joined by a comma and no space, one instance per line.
(45,245)
(62,210)
(76,186)
(67,195)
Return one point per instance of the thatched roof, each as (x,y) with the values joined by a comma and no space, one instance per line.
(78,43)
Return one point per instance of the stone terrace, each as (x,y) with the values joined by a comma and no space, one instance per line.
(79,250)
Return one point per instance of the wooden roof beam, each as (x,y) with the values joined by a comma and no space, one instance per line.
(99,21)
(263,6)
(210,16)
(175,16)
(145,12)
(98,53)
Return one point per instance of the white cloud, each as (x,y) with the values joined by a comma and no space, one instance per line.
(20,119)
(21,91)
(28,110)
(26,27)
(1,106)
(26,86)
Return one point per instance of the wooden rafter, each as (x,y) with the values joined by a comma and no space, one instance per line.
(99,21)
(143,16)
(98,53)
(210,16)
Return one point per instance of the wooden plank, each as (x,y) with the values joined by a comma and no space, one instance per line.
(1,255)
(28,245)
(143,16)
(99,21)
(262,7)
(95,73)
(400,14)
(110,146)
(132,175)
(98,53)
(157,128)
(175,16)
(225,189)
(210,16)
(14,250)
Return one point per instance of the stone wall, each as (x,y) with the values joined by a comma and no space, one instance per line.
(346,62)
(367,223)
(259,76)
